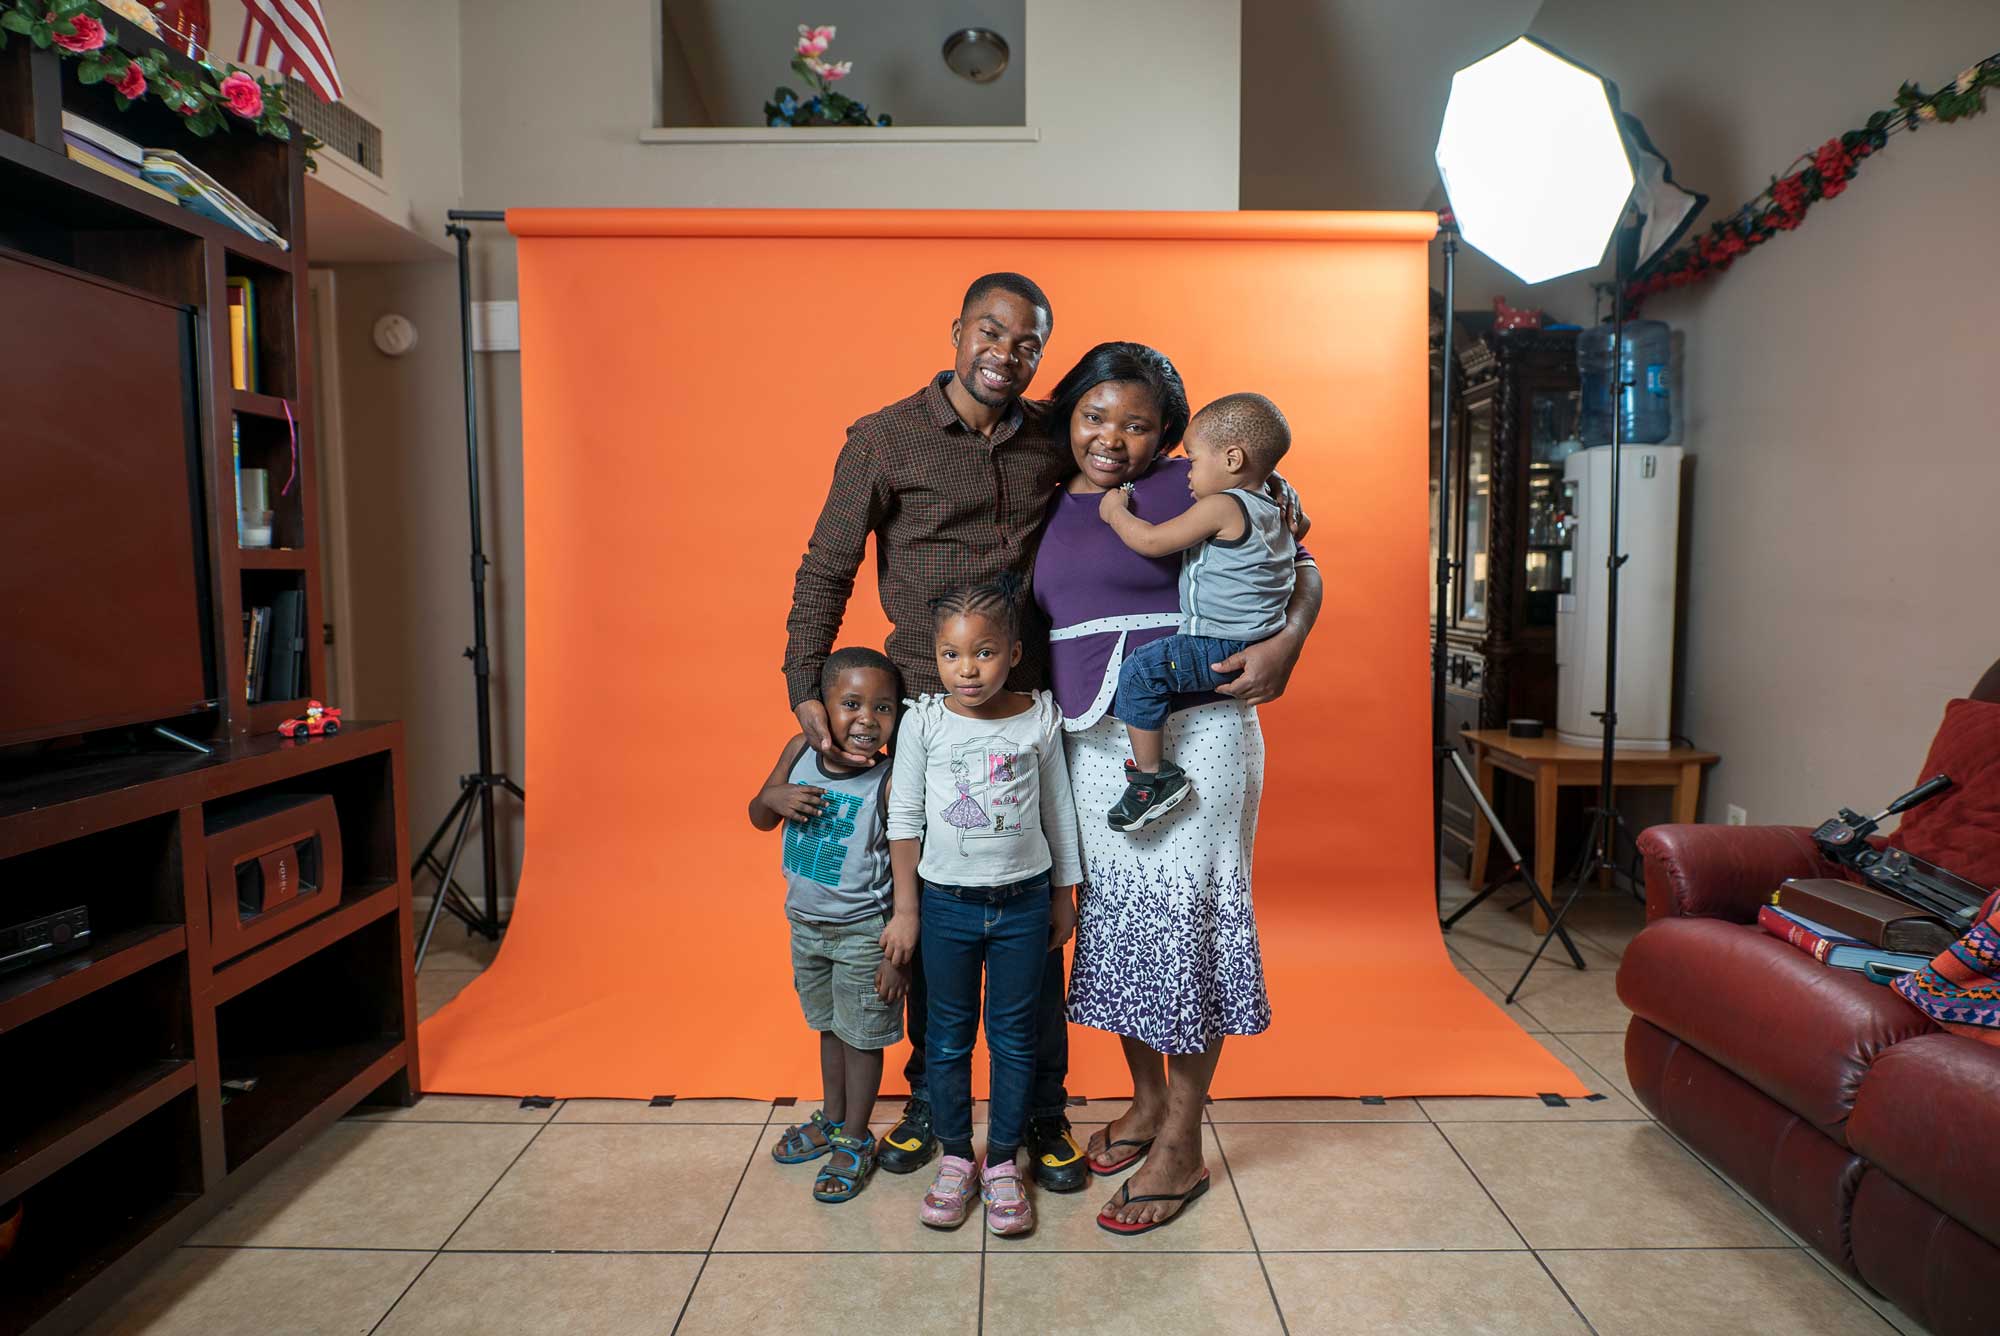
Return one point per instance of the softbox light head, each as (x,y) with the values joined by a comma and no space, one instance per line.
(1533,162)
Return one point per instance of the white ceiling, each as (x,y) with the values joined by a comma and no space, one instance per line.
(1342,98)
(724,58)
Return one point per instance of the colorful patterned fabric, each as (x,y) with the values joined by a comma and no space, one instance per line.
(1960,990)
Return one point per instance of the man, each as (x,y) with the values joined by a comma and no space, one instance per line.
(953,482)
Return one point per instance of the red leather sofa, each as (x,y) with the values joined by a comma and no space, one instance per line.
(1870,1132)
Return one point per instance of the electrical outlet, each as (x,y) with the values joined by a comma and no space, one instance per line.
(1737,816)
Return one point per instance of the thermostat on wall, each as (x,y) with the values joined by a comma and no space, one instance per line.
(395,335)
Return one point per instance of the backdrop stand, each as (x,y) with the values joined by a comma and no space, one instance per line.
(476,790)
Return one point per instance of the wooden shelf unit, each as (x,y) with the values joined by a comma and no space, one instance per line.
(69,215)
(128,1043)
(117,1134)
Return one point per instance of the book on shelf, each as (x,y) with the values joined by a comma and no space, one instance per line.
(76,128)
(256,652)
(1828,946)
(243,334)
(288,643)
(202,193)
(236,462)
(116,170)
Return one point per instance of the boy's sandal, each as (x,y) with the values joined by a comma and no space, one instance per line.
(841,1177)
(1111,1223)
(1139,1149)
(805,1141)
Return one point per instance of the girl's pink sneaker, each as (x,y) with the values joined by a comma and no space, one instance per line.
(950,1196)
(1008,1210)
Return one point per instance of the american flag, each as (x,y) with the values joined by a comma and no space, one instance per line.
(289,36)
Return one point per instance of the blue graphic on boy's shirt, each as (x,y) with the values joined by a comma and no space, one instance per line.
(818,849)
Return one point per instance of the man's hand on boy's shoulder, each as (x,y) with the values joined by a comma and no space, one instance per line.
(899,941)
(819,735)
(892,983)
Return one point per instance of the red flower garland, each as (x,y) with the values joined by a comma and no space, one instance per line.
(1825,173)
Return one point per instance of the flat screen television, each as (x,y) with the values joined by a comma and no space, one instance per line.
(105,615)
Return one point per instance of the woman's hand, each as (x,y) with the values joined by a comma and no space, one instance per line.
(793,802)
(1290,508)
(899,940)
(1062,916)
(1113,501)
(1266,668)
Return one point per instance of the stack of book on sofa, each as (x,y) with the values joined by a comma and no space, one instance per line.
(1853,927)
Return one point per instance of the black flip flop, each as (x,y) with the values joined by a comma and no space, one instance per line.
(1186,1199)
(1143,1145)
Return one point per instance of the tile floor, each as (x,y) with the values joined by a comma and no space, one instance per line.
(604,1217)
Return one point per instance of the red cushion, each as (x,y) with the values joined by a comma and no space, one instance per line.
(1915,1117)
(1960,830)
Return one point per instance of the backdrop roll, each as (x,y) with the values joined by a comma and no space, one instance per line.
(687,377)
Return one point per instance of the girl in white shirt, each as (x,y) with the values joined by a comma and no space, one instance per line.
(982,837)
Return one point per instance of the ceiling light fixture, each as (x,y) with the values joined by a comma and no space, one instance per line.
(976,54)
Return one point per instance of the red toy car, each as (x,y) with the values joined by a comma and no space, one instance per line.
(317,720)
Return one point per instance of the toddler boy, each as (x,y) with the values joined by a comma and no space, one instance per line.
(1237,557)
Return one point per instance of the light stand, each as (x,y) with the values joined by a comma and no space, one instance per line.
(1442,750)
(1607,824)
(1448,231)
(1538,164)
(475,795)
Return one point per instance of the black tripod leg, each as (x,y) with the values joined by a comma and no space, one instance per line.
(424,859)
(1555,928)
(444,882)
(1485,892)
(1517,868)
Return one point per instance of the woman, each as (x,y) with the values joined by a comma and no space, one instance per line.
(1166,947)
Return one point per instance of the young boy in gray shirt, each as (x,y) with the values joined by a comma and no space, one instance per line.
(1237,560)
(839,893)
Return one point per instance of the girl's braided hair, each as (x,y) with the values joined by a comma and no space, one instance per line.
(998,600)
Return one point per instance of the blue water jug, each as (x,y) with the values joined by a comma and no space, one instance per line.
(1645,410)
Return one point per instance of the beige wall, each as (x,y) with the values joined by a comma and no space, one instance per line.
(1137,105)
(1837,387)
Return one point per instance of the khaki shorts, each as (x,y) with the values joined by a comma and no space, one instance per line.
(833,967)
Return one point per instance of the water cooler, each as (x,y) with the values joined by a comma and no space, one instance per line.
(1649,534)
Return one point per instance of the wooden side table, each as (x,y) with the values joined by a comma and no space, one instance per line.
(1550,764)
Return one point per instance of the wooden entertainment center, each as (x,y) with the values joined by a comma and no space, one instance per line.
(152,1077)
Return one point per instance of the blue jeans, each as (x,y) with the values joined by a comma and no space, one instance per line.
(1004,932)
(1050,1097)
(1155,672)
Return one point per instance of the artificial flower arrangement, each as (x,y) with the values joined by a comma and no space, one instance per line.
(824,106)
(218,97)
(1822,174)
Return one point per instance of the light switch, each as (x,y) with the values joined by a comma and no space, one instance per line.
(496,327)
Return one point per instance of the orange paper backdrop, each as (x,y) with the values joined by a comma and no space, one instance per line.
(687,379)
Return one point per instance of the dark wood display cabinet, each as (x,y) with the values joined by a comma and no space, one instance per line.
(152,1077)
(209,1026)
(1514,423)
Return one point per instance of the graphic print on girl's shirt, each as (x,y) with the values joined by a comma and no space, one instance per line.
(989,767)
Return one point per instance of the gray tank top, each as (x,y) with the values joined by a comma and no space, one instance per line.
(837,864)
(1237,590)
